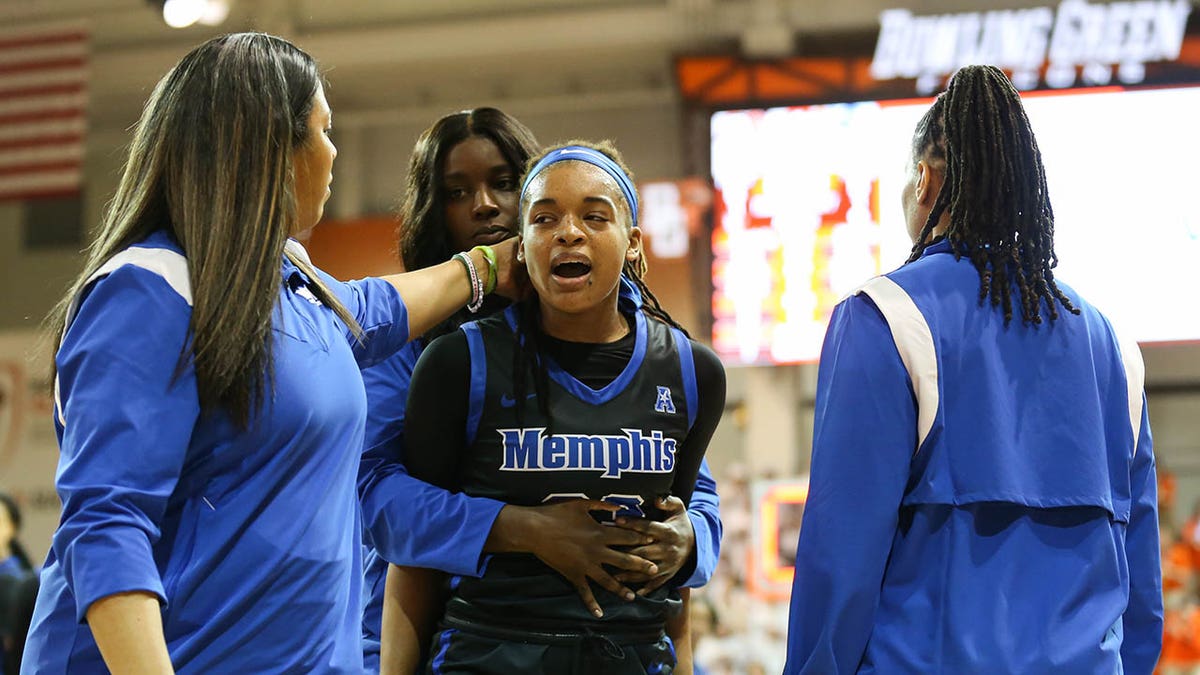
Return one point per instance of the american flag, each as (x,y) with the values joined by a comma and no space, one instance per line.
(43,110)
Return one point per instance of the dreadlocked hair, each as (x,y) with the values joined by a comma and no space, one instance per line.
(526,358)
(995,191)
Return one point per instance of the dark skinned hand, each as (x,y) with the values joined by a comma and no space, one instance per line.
(512,281)
(672,543)
(568,539)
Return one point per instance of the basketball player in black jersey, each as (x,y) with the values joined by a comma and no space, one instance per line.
(587,390)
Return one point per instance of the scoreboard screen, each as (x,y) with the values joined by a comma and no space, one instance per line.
(808,208)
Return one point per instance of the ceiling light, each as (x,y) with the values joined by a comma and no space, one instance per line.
(215,12)
(183,13)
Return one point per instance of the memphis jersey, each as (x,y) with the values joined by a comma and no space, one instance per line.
(619,444)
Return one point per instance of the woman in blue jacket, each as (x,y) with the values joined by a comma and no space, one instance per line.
(982,494)
(461,192)
(208,401)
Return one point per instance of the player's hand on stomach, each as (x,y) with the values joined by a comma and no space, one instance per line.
(571,542)
(671,543)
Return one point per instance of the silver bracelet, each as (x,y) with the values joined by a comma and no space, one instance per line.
(477,293)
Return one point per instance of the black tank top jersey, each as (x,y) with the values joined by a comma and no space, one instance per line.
(616,444)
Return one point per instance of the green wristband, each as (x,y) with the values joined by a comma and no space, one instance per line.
(489,254)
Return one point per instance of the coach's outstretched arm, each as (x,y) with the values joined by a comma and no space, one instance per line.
(440,290)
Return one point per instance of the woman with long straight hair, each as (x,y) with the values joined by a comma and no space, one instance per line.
(462,191)
(586,393)
(208,400)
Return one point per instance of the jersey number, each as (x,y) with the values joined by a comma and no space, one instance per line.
(631,505)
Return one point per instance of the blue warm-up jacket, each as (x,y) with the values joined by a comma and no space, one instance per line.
(982,496)
(249,538)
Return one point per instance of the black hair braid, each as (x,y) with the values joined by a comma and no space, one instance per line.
(650,303)
(526,358)
(995,190)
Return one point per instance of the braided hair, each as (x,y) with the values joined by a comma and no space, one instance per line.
(995,191)
(526,357)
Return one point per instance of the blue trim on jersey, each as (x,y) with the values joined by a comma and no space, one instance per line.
(453,527)
(439,661)
(629,298)
(657,668)
(630,302)
(478,379)
(612,389)
(687,369)
(455,581)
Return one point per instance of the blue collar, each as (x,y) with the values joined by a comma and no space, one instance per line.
(629,302)
(940,246)
(580,390)
(629,296)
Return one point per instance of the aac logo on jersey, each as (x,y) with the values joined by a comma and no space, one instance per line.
(664,404)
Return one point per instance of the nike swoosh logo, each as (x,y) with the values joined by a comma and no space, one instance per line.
(507,401)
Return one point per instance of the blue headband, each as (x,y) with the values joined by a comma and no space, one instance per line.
(593,157)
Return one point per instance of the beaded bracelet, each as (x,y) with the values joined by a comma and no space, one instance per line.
(489,254)
(476,284)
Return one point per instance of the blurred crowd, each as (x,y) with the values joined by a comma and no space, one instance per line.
(735,631)
(1181,581)
(18,587)
(738,632)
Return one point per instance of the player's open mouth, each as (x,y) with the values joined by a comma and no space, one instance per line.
(570,271)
